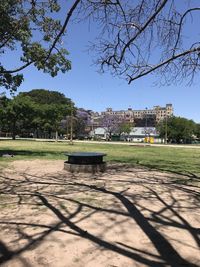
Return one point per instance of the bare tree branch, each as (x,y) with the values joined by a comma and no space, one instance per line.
(164,63)
(181,22)
(69,14)
(17,69)
(142,29)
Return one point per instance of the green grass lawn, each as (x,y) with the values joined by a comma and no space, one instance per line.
(180,160)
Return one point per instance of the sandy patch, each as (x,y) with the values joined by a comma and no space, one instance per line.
(124,217)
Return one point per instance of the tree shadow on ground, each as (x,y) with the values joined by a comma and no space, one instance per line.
(30,154)
(162,165)
(37,190)
(167,168)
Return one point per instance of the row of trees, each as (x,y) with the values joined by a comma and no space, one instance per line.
(172,129)
(179,130)
(40,113)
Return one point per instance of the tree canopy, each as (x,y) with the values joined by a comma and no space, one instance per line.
(30,28)
(136,38)
(82,122)
(179,130)
(43,96)
(148,36)
(37,111)
(17,115)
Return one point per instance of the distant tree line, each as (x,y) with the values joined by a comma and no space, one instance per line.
(172,129)
(39,113)
(42,113)
(179,130)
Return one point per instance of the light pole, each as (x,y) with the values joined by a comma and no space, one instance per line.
(146,124)
(71,126)
(166,129)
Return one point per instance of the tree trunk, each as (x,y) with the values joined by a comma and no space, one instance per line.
(13,130)
(49,132)
(37,133)
(56,136)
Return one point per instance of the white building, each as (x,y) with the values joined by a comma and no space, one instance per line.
(144,134)
(137,134)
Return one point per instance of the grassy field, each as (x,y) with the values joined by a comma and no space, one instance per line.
(178,160)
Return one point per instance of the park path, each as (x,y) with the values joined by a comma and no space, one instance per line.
(138,144)
(111,143)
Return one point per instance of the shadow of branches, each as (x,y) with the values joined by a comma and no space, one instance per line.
(73,199)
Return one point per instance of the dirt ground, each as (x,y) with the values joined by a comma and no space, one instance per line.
(124,217)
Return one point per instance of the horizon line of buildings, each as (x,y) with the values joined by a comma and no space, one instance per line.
(139,117)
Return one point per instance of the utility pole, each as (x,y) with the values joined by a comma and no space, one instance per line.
(92,128)
(71,126)
(146,125)
(166,129)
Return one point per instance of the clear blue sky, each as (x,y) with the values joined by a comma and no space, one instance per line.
(91,90)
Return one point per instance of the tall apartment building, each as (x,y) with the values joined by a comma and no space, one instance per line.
(154,115)
(126,115)
(163,112)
